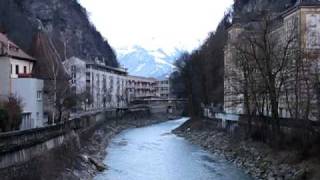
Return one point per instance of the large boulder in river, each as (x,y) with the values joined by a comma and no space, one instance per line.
(99,165)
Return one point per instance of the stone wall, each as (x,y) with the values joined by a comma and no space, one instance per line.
(44,153)
(21,146)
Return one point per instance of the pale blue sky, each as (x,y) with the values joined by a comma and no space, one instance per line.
(156,24)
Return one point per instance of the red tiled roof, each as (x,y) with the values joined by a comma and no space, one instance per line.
(8,48)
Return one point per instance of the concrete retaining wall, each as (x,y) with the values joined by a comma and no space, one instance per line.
(22,151)
(21,146)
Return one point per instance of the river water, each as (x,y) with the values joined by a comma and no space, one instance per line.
(154,153)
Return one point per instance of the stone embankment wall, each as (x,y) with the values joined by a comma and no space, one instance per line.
(43,153)
(22,146)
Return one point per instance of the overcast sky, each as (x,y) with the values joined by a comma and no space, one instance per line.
(156,23)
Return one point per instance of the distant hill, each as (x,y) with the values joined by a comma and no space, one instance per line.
(64,21)
(149,63)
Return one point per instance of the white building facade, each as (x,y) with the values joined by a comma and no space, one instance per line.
(105,85)
(30,91)
(163,88)
(16,80)
(111,87)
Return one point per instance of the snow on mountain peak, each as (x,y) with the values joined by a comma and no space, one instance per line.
(148,63)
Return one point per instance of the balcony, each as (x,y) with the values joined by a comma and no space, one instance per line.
(24,75)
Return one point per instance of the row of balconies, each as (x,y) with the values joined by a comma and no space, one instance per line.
(140,85)
(138,88)
(139,82)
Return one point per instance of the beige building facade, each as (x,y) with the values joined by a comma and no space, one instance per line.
(301,22)
(163,88)
(140,87)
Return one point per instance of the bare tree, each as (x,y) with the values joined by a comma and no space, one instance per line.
(11,113)
(51,70)
(263,56)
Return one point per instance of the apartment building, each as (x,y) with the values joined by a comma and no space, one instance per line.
(233,99)
(16,80)
(105,85)
(301,21)
(163,88)
(140,87)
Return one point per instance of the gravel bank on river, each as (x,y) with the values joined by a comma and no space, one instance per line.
(257,159)
(88,161)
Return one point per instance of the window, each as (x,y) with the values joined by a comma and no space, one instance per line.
(73,68)
(17,69)
(98,80)
(88,77)
(73,74)
(39,94)
(25,69)
(104,82)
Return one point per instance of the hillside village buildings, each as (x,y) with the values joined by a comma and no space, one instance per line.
(16,80)
(302,22)
(109,87)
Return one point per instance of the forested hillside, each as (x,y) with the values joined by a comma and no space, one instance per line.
(63,21)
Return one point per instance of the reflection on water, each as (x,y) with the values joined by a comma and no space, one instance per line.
(153,153)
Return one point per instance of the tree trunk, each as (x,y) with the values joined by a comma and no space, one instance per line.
(274,108)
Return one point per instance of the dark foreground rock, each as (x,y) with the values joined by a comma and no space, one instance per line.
(257,159)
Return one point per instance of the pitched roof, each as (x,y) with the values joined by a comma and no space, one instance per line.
(8,48)
(113,69)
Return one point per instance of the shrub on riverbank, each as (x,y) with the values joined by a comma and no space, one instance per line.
(10,114)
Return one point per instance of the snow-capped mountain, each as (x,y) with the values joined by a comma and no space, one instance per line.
(148,63)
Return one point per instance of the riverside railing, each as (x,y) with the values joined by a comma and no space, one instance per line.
(227,118)
(16,140)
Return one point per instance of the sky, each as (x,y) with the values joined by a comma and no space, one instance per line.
(153,24)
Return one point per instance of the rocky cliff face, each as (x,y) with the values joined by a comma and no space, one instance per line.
(249,6)
(64,21)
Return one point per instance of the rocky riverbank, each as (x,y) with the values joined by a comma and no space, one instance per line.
(256,159)
(88,162)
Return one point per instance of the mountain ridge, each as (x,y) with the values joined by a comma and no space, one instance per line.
(141,61)
(66,23)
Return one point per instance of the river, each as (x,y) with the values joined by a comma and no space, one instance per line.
(154,153)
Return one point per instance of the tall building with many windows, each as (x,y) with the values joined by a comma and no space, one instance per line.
(140,87)
(299,24)
(103,86)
